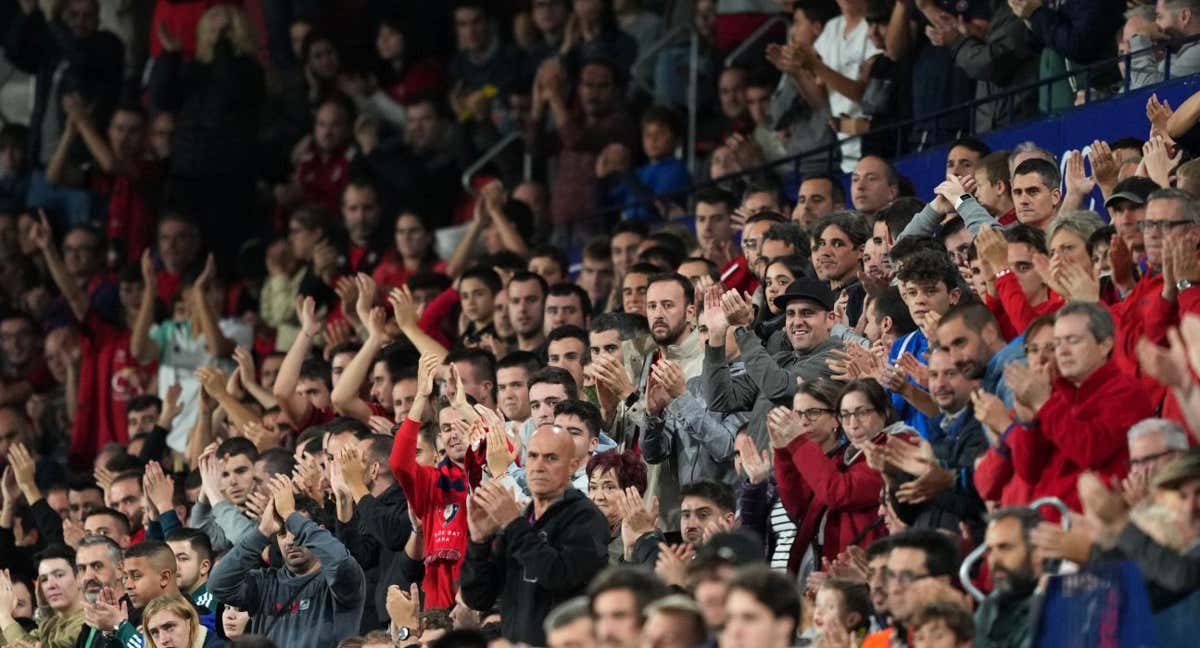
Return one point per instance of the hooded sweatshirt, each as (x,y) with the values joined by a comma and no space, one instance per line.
(311,611)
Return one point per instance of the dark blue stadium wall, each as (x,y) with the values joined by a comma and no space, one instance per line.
(1107,120)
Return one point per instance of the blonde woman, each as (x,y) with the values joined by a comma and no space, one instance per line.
(217,98)
(171,621)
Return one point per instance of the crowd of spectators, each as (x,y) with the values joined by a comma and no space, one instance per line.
(245,401)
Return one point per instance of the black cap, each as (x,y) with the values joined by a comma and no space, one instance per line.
(1135,189)
(735,548)
(809,289)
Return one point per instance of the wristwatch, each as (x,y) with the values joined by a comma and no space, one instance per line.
(1183,284)
(403,633)
(961,199)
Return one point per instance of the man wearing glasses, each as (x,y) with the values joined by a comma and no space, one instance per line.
(1079,422)
(1153,443)
(916,555)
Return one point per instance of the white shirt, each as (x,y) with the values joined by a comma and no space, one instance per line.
(845,53)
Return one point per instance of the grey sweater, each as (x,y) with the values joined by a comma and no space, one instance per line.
(312,611)
(224,523)
(769,381)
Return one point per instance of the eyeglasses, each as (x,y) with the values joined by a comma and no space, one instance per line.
(904,578)
(1033,349)
(813,414)
(1149,459)
(860,414)
(1162,226)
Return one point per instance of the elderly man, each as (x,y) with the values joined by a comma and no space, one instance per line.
(534,559)
(1153,444)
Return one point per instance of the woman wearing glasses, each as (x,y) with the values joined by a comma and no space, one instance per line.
(824,481)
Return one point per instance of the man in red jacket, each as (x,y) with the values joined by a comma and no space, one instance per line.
(1079,422)
(435,494)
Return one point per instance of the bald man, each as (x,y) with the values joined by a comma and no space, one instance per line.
(550,551)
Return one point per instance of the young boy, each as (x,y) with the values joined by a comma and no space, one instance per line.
(662,174)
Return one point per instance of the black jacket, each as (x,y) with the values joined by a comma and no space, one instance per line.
(532,567)
(95,67)
(375,537)
(218,105)
(956,450)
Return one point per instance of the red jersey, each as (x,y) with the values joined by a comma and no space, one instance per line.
(391,273)
(322,177)
(131,217)
(438,495)
(109,376)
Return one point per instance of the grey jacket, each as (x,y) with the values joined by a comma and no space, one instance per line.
(699,439)
(224,523)
(769,381)
(927,222)
(312,611)
(1004,59)
(662,479)
(1148,70)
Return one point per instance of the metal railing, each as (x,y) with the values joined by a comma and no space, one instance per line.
(492,153)
(754,37)
(899,132)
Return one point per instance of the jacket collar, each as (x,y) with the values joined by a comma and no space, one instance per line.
(686,350)
(1105,373)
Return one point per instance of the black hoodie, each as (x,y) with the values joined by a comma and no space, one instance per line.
(533,565)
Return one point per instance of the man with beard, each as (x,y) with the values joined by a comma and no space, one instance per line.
(316,596)
(972,336)
(1002,620)
(98,566)
(670,309)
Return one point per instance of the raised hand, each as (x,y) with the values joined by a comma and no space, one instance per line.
(283,495)
(757,466)
(1031,388)
(367,294)
(403,308)
(737,308)
(992,248)
(1077,181)
(404,607)
(992,413)
(306,312)
(783,426)
(914,459)
(1158,113)
(269,523)
(480,525)
(672,563)
(1105,167)
(638,517)
(499,456)
(427,369)
(159,487)
(172,408)
(713,316)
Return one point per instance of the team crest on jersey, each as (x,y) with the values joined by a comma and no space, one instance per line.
(449,512)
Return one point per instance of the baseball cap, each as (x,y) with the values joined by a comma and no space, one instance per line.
(1134,189)
(809,289)
(1184,468)
(735,548)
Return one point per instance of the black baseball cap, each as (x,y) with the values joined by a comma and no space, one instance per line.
(807,289)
